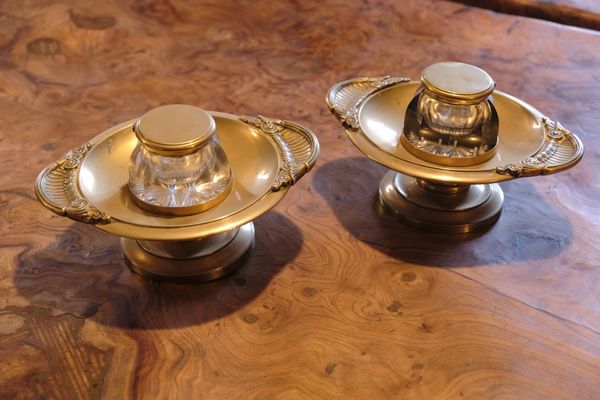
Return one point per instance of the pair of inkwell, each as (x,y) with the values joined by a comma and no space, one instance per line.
(181,186)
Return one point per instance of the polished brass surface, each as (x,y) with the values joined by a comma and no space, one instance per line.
(181,249)
(372,111)
(442,188)
(472,208)
(90,185)
(374,118)
(182,211)
(192,269)
(174,129)
(298,148)
(57,189)
(560,145)
(438,196)
(457,83)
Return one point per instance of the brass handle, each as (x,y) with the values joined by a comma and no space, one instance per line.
(561,150)
(57,189)
(345,98)
(298,148)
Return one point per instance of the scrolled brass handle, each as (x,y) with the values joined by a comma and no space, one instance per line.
(298,148)
(345,98)
(561,150)
(57,189)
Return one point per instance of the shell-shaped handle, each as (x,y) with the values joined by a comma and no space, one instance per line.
(57,189)
(298,148)
(561,150)
(345,98)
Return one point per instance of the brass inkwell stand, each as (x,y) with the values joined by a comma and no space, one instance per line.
(448,140)
(181,186)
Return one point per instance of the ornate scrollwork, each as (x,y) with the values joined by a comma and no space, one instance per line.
(81,210)
(57,189)
(297,147)
(345,100)
(548,156)
(349,117)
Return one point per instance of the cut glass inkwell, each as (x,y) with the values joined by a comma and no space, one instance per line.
(452,119)
(178,166)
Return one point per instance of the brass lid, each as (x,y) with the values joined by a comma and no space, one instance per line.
(175,129)
(457,82)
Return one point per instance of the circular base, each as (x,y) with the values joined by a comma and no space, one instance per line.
(454,211)
(193,269)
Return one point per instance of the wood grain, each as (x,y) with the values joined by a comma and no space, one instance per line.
(581,13)
(337,300)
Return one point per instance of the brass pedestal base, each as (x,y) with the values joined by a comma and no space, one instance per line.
(441,207)
(198,260)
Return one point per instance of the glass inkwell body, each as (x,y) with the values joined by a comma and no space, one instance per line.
(178,167)
(452,119)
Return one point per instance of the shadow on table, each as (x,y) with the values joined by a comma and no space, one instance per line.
(529,228)
(83,269)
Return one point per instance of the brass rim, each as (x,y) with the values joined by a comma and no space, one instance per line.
(182,211)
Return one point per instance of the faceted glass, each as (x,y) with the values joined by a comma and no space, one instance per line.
(453,119)
(179,181)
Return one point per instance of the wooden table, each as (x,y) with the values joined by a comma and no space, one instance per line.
(582,13)
(336,302)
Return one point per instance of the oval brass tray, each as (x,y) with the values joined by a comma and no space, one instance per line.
(439,197)
(372,110)
(89,184)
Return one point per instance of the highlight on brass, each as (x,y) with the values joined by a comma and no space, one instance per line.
(180,186)
(448,139)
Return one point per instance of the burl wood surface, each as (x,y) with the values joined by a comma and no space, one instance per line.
(336,301)
(582,13)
